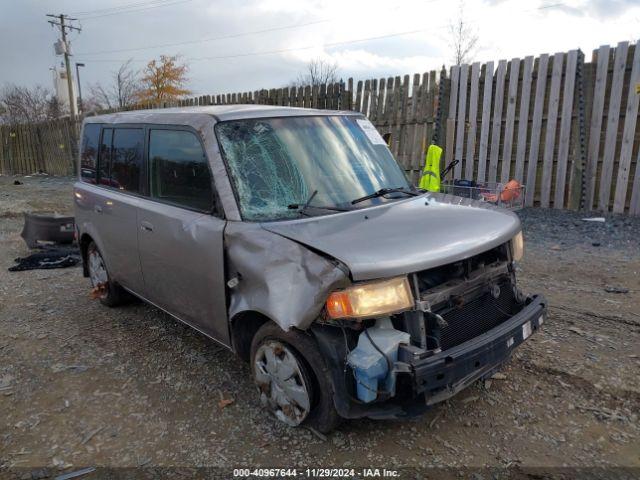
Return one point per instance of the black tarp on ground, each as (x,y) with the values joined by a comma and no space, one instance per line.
(47,258)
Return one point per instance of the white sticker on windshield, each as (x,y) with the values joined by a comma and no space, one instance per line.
(371,132)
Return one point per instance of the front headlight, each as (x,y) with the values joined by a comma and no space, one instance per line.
(517,247)
(371,299)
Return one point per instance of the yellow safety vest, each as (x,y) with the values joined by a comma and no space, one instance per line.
(431,174)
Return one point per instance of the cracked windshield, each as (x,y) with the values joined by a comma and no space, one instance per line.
(281,165)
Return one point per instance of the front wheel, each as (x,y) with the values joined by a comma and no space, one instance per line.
(292,378)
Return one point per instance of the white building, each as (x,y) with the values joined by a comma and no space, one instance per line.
(61,88)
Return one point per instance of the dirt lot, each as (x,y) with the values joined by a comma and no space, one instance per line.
(83,385)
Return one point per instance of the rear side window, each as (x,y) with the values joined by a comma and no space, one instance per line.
(104,158)
(179,170)
(89,153)
(126,159)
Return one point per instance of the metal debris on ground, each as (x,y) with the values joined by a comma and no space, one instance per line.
(614,289)
(76,474)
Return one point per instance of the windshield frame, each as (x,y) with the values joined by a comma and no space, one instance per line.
(379,201)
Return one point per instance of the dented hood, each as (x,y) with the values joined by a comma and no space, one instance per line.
(404,236)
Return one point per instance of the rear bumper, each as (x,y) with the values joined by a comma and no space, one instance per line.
(443,375)
(437,377)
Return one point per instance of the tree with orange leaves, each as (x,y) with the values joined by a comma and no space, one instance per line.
(163,80)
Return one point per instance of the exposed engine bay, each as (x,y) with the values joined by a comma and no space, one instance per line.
(454,304)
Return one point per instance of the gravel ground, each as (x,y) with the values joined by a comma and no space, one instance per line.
(83,385)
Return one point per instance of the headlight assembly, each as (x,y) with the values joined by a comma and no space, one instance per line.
(517,247)
(371,299)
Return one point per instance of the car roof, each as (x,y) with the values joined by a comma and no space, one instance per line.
(219,112)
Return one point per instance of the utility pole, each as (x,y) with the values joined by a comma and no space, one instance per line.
(63,31)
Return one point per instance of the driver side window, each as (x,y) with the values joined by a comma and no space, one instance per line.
(179,170)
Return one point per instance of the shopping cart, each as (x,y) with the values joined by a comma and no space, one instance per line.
(506,195)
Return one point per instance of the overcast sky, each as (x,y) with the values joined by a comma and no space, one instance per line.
(415,35)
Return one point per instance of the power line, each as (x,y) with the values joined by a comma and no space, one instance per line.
(119,7)
(210,39)
(283,50)
(324,45)
(267,52)
(552,5)
(176,2)
(224,37)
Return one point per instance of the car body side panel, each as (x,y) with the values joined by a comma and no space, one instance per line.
(110,217)
(182,257)
(277,277)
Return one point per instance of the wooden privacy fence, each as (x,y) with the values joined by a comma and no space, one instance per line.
(566,128)
(333,96)
(407,111)
(49,147)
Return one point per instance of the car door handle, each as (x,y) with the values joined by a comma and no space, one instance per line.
(146,226)
(97,209)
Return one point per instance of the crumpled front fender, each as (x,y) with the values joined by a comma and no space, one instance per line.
(279,278)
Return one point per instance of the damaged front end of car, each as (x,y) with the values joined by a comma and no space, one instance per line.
(397,346)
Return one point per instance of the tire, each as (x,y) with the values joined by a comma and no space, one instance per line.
(310,372)
(111,294)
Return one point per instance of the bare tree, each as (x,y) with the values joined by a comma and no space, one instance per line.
(318,72)
(55,109)
(463,37)
(27,105)
(91,104)
(121,93)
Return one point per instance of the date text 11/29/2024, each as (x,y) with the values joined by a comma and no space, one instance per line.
(316,473)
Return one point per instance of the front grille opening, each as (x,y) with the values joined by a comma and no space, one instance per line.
(472,296)
(477,316)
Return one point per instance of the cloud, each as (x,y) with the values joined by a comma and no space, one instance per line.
(507,28)
(609,8)
(560,7)
(592,8)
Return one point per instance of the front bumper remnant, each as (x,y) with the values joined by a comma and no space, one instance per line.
(432,379)
(443,375)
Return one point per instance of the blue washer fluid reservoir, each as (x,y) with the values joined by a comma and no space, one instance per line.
(369,366)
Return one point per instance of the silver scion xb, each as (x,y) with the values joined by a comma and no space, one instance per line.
(292,237)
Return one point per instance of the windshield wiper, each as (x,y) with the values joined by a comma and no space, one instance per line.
(302,209)
(384,191)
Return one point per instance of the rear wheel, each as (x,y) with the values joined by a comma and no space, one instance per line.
(108,292)
(292,378)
